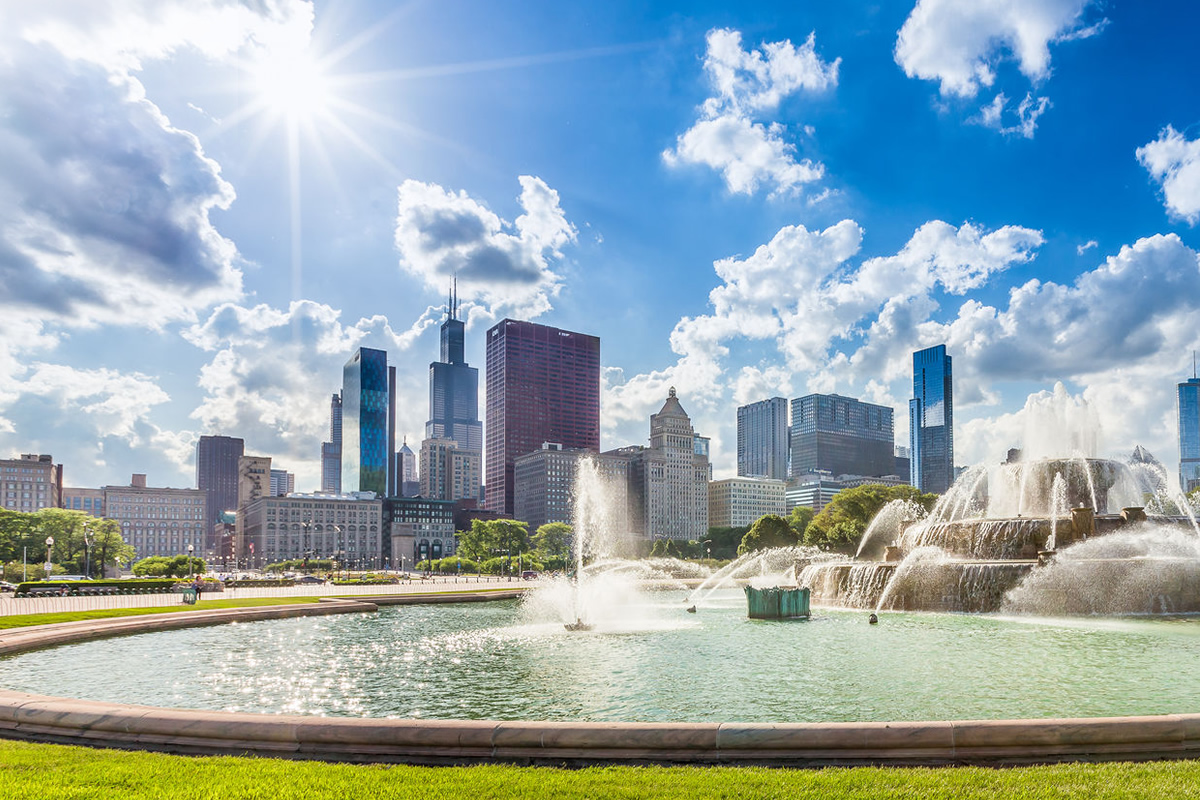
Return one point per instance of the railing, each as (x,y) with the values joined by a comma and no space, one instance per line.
(54,604)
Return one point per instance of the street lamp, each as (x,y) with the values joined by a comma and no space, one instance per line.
(49,547)
(191,549)
(707,547)
(87,549)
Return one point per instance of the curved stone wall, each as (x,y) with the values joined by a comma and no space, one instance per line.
(52,719)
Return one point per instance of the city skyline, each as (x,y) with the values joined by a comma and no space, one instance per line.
(741,202)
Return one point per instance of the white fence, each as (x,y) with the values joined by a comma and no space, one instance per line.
(10,605)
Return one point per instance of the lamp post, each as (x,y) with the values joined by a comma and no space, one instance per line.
(191,549)
(87,550)
(707,547)
(49,548)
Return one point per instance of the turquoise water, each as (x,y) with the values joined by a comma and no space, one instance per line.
(486,661)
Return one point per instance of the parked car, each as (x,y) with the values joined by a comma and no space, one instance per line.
(5,586)
(529,575)
(309,579)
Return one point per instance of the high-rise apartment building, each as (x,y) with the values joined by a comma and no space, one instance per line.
(30,482)
(368,415)
(544,486)
(543,385)
(449,472)
(762,439)
(331,451)
(1189,434)
(931,421)
(217,474)
(841,436)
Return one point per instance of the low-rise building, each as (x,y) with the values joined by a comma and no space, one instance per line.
(89,501)
(346,528)
(420,529)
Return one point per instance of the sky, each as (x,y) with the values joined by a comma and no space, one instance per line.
(207,205)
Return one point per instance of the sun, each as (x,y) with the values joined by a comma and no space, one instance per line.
(292,83)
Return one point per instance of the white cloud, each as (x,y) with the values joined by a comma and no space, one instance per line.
(1021,120)
(959,42)
(114,401)
(730,135)
(1088,245)
(504,266)
(1174,162)
(272,371)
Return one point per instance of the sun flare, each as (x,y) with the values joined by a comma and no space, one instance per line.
(293,83)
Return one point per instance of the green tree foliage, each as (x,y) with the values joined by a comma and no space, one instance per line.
(491,538)
(724,541)
(553,540)
(842,523)
(74,534)
(172,567)
(800,518)
(771,530)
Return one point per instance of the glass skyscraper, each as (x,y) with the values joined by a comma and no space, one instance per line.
(931,421)
(368,438)
(1189,434)
(762,439)
(543,385)
(841,435)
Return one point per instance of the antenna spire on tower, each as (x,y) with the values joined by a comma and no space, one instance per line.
(454,289)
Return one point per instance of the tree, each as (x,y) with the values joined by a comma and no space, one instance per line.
(842,523)
(800,518)
(771,530)
(725,541)
(81,542)
(488,538)
(553,540)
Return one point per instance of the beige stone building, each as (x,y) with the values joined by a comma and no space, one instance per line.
(735,502)
(158,521)
(449,472)
(347,528)
(30,482)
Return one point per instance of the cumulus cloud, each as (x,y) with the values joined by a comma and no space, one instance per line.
(959,42)
(105,206)
(731,135)
(1174,162)
(272,371)
(505,267)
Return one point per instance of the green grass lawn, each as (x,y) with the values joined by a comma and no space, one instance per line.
(24,620)
(64,773)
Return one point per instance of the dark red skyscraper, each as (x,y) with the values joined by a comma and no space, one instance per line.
(543,385)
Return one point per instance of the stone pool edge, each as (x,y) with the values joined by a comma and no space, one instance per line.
(40,718)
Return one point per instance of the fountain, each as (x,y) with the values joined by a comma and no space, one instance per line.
(1054,520)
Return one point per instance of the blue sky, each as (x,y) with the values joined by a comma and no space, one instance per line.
(206,206)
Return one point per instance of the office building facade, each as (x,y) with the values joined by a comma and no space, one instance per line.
(1189,434)
(736,502)
(545,483)
(448,472)
(670,477)
(159,521)
(30,482)
(283,483)
(841,436)
(419,529)
(217,473)
(345,528)
(406,465)
(331,451)
(931,421)
(454,388)
(543,385)
(368,414)
(762,439)
(89,501)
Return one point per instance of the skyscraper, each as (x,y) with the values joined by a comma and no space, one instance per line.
(543,385)
(1189,434)
(670,477)
(762,439)
(368,412)
(217,474)
(454,388)
(331,451)
(842,436)
(406,465)
(931,421)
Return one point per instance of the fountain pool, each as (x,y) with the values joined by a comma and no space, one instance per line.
(495,661)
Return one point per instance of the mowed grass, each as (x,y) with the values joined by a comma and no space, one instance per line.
(64,773)
(24,620)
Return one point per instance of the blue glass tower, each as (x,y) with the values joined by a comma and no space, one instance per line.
(1189,434)
(931,421)
(367,422)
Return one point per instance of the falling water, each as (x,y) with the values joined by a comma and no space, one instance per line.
(1058,508)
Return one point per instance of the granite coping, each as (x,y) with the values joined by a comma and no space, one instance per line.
(55,719)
